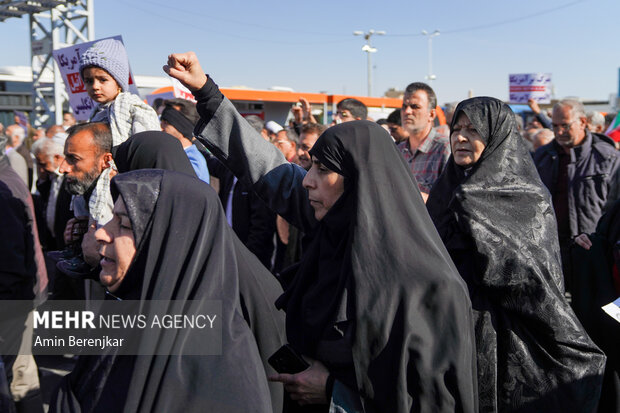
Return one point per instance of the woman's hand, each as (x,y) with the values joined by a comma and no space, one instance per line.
(583,241)
(308,386)
(185,67)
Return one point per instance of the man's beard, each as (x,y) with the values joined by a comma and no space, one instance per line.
(80,186)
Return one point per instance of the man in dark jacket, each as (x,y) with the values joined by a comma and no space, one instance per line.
(581,170)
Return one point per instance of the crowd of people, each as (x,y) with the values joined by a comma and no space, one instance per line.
(411,265)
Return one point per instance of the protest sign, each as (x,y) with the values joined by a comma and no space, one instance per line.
(526,86)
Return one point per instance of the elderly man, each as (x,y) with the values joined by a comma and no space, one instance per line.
(53,131)
(541,138)
(287,141)
(596,121)
(19,162)
(581,170)
(55,199)
(425,152)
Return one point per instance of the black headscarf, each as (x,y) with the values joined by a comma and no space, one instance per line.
(179,121)
(376,248)
(179,256)
(497,221)
(152,150)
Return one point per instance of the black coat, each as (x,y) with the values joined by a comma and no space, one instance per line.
(592,175)
(594,288)
(61,215)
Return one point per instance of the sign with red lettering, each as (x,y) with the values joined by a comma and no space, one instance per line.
(526,86)
(75,83)
(181,91)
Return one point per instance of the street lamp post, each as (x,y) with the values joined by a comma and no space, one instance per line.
(430,77)
(369,49)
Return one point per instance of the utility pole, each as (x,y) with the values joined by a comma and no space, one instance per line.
(369,49)
(430,77)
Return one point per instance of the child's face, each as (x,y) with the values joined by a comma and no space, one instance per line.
(100,85)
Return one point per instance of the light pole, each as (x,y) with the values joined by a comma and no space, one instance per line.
(369,49)
(430,77)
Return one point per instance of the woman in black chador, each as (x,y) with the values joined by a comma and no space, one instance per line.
(496,220)
(169,240)
(376,305)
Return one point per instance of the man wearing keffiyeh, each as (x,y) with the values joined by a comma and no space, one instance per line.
(88,168)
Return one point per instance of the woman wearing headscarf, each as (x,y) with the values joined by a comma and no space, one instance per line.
(152,150)
(495,217)
(144,150)
(376,305)
(258,289)
(169,240)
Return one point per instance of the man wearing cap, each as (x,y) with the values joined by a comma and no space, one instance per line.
(273,128)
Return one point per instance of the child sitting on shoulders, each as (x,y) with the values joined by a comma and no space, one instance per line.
(104,68)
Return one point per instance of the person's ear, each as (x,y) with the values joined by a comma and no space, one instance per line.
(583,121)
(106,159)
(432,114)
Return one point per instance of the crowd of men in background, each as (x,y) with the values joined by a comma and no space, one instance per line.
(566,146)
(579,165)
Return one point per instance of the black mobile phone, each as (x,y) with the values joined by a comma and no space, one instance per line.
(287,360)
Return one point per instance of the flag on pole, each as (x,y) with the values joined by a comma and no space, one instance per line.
(613,131)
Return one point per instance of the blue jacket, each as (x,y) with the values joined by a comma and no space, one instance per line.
(594,178)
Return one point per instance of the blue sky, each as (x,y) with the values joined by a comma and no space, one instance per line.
(309,46)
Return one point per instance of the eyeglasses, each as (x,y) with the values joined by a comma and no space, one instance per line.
(563,126)
(343,114)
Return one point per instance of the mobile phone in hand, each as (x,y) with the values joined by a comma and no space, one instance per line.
(288,360)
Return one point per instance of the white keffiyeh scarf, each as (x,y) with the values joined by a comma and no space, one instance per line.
(127,115)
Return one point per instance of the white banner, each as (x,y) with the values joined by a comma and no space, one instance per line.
(68,61)
(181,91)
(526,86)
(613,309)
